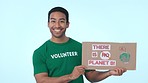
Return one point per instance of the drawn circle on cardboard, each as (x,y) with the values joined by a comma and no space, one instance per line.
(125,57)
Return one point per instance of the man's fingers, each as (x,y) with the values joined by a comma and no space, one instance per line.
(120,71)
(82,66)
(81,69)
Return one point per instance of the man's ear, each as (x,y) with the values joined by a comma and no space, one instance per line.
(67,24)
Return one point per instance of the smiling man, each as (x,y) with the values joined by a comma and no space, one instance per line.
(57,24)
(58,60)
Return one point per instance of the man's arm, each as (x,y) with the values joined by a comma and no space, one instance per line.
(43,77)
(95,76)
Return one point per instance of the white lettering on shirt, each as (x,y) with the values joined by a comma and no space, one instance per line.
(65,54)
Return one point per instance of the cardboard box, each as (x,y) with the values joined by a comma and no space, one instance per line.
(108,55)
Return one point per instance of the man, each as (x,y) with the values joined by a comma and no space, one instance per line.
(58,60)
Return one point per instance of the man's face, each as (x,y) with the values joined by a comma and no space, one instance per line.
(57,24)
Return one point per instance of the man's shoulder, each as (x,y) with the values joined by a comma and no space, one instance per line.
(75,41)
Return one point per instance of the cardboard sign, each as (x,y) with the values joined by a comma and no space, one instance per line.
(108,55)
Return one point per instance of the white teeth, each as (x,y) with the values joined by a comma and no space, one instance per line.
(57,30)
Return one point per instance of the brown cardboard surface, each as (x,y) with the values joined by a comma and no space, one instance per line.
(109,55)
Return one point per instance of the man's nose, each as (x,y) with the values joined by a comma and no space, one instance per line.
(57,24)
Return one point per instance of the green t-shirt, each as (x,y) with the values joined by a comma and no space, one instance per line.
(58,59)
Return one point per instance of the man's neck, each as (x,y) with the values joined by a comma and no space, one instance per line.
(60,40)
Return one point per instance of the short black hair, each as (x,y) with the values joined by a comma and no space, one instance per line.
(59,9)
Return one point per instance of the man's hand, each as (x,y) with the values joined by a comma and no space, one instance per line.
(77,71)
(117,71)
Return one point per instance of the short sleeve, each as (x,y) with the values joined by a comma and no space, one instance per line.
(39,63)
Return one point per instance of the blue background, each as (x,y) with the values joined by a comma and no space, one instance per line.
(23,28)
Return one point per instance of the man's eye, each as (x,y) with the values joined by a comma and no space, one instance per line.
(62,21)
(52,21)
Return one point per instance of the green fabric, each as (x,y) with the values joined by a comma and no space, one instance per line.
(58,59)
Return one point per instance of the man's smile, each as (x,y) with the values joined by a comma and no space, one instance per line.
(57,30)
